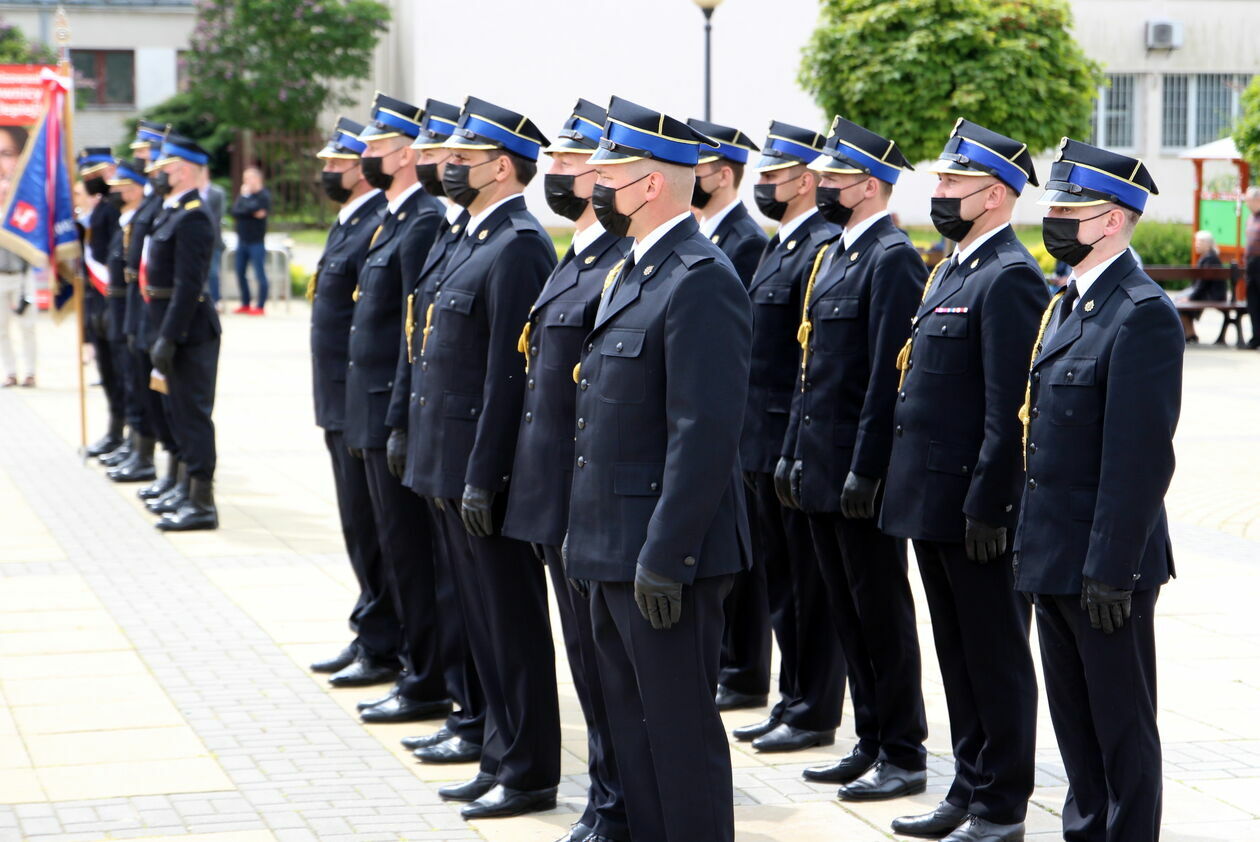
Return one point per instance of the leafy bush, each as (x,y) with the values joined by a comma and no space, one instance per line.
(1163,243)
(299,277)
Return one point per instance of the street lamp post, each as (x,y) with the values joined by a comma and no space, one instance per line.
(707,7)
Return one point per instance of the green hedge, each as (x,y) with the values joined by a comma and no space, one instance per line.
(1163,243)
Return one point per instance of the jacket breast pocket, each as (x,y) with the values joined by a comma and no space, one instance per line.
(950,459)
(563,328)
(1075,396)
(943,340)
(772,295)
(622,378)
(837,326)
(454,324)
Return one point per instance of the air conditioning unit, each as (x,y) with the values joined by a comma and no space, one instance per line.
(1163,34)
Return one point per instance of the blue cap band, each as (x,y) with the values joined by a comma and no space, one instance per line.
(686,153)
(801,152)
(170,150)
(433,124)
(587,129)
(729,151)
(148,136)
(1126,192)
(861,160)
(350,142)
(511,141)
(125,173)
(394,121)
(961,147)
(89,160)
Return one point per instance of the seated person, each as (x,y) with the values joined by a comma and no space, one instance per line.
(1202,290)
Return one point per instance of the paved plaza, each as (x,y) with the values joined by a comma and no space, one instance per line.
(155,686)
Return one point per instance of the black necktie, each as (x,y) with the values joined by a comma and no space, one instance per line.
(1069,298)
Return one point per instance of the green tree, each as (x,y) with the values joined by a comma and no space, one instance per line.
(16,48)
(186,117)
(1247,129)
(275,65)
(909,69)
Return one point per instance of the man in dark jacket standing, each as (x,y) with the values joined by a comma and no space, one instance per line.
(96,167)
(857,306)
(657,522)
(331,294)
(955,476)
(1092,546)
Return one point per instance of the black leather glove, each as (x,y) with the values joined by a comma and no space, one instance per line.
(1108,607)
(475,510)
(582,586)
(857,498)
(782,486)
(163,355)
(356,452)
(984,542)
(396,453)
(659,597)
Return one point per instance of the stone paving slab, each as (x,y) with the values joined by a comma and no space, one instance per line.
(155,687)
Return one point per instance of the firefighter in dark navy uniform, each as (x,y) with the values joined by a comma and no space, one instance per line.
(1092,545)
(857,305)
(657,521)
(331,293)
(185,326)
(538,510)
(955,477)
(811,670)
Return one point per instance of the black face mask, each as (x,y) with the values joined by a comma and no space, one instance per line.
(95,186)
(827,199)
(430,180)
(374,173)
(334,188)
(947,216)
(767,201)
(115,199)
(604,200)
(1061,236)
(699,196)
(161,183)
(455,183)
(560,196)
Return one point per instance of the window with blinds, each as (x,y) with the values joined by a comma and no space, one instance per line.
(1115,113)
(1200,107)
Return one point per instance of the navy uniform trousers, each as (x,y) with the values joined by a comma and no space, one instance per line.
(374,618)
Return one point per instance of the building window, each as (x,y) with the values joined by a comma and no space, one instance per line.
(1115,112)
(1201,107)
(104,78)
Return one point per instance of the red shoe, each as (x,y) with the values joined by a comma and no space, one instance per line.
(257,311)
(243,310)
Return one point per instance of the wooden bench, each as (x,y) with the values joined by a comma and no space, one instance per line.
(1232,308)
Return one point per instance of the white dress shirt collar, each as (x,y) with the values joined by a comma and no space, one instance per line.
(962,254)
(584,239)
(1084,282)
(641,247)
(709,225)
(475,222)
(397,202)
(853,232)
(348,209)
(786,229)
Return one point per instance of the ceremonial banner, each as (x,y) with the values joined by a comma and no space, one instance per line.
(36,206)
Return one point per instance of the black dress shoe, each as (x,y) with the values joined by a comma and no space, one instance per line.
(402,709)
(197,511)
(337,662)
(454,750)
(845,771)
(109,442)
(787,738)
(941,821)
(579,833)
(117,456)
(982,830)
(364,672)
(752,732)
(139,466)
(441,735)
(502,802)
(371,703)
(728,699)
(469,790)
(884,782)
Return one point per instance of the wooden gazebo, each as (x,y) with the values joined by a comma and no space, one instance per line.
(1213,209)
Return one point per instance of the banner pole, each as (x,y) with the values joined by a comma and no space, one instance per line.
(61,34)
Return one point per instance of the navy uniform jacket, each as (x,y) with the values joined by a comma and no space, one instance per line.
(394,257)
(1105,399)
(660,405)
(101,227)
(538,502)
(468,397)
(958,452)
(136,322)
(332,308)
(742,240)
(842,409)
(181,245)
(116,296)
(423,289)
(776,356)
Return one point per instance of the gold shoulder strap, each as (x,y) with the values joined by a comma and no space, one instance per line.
(1025,411)
(807,326)
(903,356)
